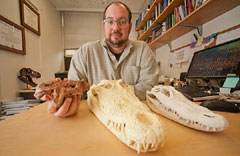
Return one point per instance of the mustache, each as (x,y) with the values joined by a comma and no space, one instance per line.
(116,32)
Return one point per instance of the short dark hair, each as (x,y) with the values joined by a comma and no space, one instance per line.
(118,2)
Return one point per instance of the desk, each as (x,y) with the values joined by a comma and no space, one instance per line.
(27,94)
(35,132)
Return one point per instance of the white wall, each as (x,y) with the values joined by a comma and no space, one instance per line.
(43,53)
(80,27)
(220,23)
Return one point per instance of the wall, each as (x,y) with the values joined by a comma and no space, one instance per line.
(80,27)
(226,20)
(43,53)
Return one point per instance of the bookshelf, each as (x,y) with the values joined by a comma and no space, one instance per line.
(206,12)
(147,16)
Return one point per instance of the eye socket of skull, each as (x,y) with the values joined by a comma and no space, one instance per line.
(94,93)
(107,86)
(209,116)
(123,85)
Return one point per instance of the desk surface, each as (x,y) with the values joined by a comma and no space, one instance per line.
(35,132)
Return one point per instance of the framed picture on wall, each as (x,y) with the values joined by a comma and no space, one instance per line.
(12,36)
(30,18)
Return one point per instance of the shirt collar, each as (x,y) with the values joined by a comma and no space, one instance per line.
(129,45)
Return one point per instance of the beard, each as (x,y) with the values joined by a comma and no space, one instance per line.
(116,43)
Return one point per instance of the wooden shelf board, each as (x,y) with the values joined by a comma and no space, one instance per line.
(206,12)
(200,16)
(167,11)
(147,33)
(141,26)
(170,35)
(147,16)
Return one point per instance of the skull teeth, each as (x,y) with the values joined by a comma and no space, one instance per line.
(125,116)
(139,146)
(161,106)
(190,122)
(117,126)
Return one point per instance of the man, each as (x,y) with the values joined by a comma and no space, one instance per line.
(114,58)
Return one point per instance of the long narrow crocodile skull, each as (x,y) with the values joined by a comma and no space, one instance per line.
(116,106)
(168,102)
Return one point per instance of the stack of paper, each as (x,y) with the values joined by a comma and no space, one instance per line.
(15,107)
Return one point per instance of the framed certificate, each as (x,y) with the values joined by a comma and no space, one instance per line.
(12,36)
(30,18)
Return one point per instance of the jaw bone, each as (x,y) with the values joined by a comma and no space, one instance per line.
(167,101)
(116,106)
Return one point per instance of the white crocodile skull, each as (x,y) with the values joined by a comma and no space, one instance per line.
(116,106)
(168,102)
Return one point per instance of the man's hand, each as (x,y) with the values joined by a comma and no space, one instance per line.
(68,108)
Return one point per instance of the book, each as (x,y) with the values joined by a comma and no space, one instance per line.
(198,3)
(156,12)
(173,19)
(190,6)
(164,4)
(193,4)
(177,16)
(164,27)
(185,8)
(181,9)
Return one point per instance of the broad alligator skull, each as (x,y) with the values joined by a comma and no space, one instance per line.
(116,106)
(168,102)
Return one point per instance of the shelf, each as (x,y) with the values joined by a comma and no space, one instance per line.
(168,10)
(147,16)
(206,12)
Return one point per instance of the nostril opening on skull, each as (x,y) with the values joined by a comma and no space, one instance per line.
(152,96)
(106,86)
(144,119)
(166,92)
(209,116)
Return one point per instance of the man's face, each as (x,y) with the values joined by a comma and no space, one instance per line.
(116,34)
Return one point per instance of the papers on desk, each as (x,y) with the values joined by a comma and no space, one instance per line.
(16,107)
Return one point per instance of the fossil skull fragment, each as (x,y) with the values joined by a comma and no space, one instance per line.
(168,102)
(116,106)
(59,89)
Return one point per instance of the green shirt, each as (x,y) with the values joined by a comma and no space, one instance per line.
(137,65)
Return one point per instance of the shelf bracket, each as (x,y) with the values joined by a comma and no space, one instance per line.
(168,43)
(198,27)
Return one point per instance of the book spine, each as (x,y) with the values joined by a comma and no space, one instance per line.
(181,12)
(190,7)
(186,7)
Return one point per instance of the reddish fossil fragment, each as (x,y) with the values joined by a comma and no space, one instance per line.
(59,89)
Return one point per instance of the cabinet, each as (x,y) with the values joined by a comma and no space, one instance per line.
(206,12)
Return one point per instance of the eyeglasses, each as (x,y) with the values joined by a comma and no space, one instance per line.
(120,23)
